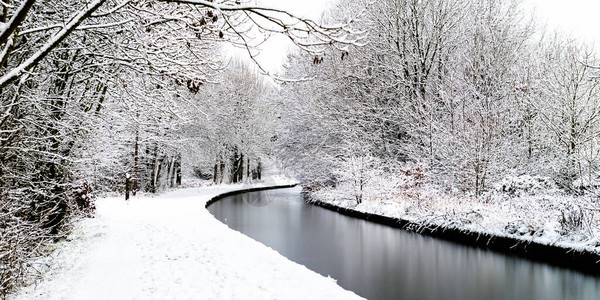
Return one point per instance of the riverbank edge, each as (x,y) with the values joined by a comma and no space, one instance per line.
(584,261)
(248,190)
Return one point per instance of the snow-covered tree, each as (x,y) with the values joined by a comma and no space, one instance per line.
(78,76)
(458,89)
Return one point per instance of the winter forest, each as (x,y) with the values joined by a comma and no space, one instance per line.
(463,113)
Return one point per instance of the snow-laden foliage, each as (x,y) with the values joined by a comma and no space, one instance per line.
(548,216)
(525,185)
(497,119)
(451,111)
(468,91)
(94,92)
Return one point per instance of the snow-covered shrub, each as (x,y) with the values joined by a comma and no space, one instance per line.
(201,173)
(524,185)
(587,184)
(520,227)
(397,183)
(84,198)
(576,219)
(356,171)
(571,219)
(20,241)
(411,176)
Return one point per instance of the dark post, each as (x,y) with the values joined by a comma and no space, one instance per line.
(127,178)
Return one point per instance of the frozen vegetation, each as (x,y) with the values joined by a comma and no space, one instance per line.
(128,97)
(457,113)
(463,113)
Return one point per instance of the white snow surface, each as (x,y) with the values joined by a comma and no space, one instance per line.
(170,247)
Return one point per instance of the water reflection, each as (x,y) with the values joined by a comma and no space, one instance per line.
(379,262)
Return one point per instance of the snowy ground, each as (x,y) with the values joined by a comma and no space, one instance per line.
(171,247)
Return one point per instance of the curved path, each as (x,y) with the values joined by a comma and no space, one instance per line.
(171,247)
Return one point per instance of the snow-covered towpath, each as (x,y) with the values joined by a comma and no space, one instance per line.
(171,247)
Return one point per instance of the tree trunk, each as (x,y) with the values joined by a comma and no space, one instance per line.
(157,178)
(157,165)
(136,160)
(240,171)
(259,170)
(177,168)
(216,173)
(170,171)
(248,169)
(222,169)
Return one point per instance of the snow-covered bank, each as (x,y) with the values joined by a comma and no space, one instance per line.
(170,247)
(534,226)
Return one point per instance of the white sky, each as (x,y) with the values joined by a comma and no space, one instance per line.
(580,18)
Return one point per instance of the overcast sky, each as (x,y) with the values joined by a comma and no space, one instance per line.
(580,18)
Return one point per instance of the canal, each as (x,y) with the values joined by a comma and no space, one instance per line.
(380,262)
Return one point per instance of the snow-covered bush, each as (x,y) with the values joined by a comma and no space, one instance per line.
(587,184)
(577,219)
(84,198)
(379,183)
(524,185)
(356,172)
(571,219)
(520,227)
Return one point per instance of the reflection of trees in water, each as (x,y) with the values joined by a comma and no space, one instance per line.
(381,262)
(258,199)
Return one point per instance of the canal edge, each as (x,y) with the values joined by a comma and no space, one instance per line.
(579,260)
(247,190)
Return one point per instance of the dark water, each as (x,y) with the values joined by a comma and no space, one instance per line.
(379,262)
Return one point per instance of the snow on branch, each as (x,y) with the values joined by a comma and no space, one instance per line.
(56,26)
(305,33)
(52,43)
(15,21)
